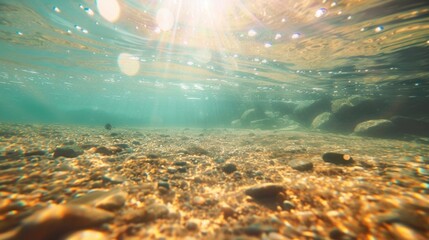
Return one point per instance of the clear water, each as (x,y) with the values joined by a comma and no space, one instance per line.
(202,62)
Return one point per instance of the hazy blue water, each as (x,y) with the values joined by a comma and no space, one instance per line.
(201,61)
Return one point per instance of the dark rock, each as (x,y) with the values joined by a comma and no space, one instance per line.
(35,153)
(407,125)
(153,155)
(171,170)
(375,128)
(338,158)
(301,165)
(54,221)
(68,151)
(104,151)
(229,168)
(191,225)
(325,121)
(355,109)
(182,169)
(164,184)
(257,229)
(180,163)
(122,145)
(267,190)
(251,115)
(306,111)
(108,126)
(12,154)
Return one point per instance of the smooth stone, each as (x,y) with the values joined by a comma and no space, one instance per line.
(180,163)
(301,165)
(146,214)
(258,229)
(68,151)
(171,170)
(267,190)
(163,184)
(114,178)
(191,225)
(196,150)
(108,200)
(337,158)
(375,128)
(229,168)
(287,205)
(55,220)
(87,235)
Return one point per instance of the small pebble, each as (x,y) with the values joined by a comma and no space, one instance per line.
(301,165)
(267,190)
(229,168)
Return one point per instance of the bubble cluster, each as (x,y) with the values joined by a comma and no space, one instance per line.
(251,33)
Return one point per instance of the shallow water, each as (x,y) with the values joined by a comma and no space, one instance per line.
(214,119)
(162,59)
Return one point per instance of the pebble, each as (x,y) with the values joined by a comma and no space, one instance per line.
(301,165)
(171,170)
(337,158)
(287,205)
(114,178)
(191,225)
(180,163)
(146,214)
(229,168)
(107,200)
(227,210)
(164,184)
(69,151)
(87,235)
(258,229)
(267,190)
(53,221)
(104,151)
(198,200)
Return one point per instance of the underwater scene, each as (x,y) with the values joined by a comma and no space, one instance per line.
(214,119)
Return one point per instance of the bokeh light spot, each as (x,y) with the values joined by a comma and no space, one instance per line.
(164,19)
(128,64)
(109,9)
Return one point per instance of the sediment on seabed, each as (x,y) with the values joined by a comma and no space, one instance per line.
(72,182)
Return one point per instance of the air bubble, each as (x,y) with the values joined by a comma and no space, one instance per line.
(251,33)
(320,12)
(296,35)
(89,11)
(379,29)
(278,36)
(268,45)
(56,9)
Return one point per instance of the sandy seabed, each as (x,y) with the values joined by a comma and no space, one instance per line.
(74,182)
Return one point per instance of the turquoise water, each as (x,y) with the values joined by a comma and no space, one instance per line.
(203,62)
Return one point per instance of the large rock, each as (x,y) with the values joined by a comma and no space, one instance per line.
(355,109)
(306,111)
(325,121)
(375,128)
(252,115)
(68,151)
(412,126)
(283,107)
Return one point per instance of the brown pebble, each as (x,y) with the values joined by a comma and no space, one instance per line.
(267,190)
